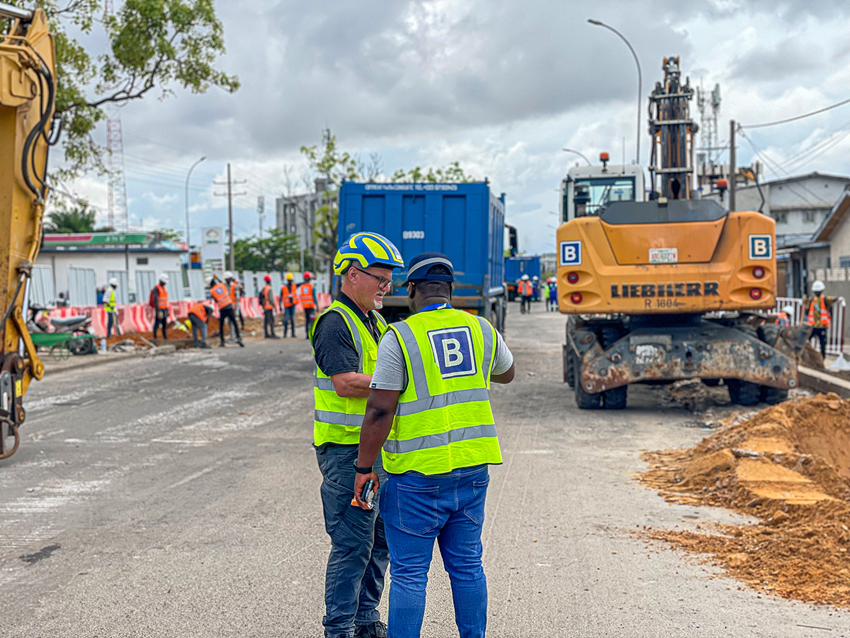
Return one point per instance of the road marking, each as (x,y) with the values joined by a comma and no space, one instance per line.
(179,442)
(191,477)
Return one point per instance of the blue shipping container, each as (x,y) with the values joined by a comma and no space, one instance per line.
(516,267)
(463,221)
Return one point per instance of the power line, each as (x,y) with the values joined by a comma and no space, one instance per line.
(797,117)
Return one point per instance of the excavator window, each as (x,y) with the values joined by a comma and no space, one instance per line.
(592,194)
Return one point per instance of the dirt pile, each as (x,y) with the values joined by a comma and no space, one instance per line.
(812,358)
(788,467)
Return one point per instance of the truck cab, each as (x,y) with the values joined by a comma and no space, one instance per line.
(586,189)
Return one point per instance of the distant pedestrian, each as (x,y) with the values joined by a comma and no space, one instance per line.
(307,297)
(545,295)
(819,313)
(525,290)
(267,301)
(553,294)
(222,297)
(159,300)
(199,317)
(233,287)
(288,300)
(535,283)
(111,308)
(785,317)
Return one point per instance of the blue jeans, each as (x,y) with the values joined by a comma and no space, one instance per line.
(354,579)
(289,319)
(449,507)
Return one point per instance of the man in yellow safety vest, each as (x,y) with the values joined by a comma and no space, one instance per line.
(345,342)
(429,410)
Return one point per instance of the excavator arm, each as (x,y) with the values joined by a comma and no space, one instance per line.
(27,101)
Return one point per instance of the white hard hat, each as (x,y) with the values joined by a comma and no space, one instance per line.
(818,286)
(525,277)
(113,282)
(536,278)
(228,274)
(163,278)
(788,310)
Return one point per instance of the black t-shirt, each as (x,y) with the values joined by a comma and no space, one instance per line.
(332,341)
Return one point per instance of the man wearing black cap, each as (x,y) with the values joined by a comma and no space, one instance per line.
(436,428)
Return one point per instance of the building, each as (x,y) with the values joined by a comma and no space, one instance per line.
(548,264)
(296,215)
(76,266)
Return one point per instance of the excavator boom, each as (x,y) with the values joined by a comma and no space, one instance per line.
(27,101)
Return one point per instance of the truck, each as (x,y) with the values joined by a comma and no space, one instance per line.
(667,286)
(516,267)
(464,221)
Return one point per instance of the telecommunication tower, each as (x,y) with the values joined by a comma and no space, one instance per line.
(118,215)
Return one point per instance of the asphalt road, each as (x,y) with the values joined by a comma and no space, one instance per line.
(179,496)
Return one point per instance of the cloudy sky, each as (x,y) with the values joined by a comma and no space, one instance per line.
(499,86)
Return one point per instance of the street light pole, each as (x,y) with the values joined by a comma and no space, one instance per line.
(640,81)
(581,155)
(189,243)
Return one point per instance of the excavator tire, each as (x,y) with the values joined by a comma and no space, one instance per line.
(615,398)
(584,400)
(769,334)
(569,367)
(744,392)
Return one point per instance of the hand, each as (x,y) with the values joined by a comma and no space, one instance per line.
(360,481)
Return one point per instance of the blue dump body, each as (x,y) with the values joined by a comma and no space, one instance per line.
(516,267)
(463,221)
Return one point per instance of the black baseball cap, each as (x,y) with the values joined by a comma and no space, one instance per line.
(420,267)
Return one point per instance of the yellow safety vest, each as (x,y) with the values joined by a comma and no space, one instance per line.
(444,421)
(338,419)
(109,300)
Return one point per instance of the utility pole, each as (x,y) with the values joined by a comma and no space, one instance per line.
(261,206)
(230,195)
(732,168)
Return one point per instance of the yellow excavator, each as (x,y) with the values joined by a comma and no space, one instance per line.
(27,100)
(674,287)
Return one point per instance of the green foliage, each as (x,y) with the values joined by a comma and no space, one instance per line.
(168,234)
(451,174)
(152,44)
(79,219)
(272,253)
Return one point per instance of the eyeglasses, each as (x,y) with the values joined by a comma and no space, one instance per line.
(383,282)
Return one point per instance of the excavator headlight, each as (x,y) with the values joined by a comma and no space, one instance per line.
(758,272)
(576,298)
(572,277)
(755,294)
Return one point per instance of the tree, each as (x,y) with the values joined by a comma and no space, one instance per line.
(152,44)
(79,219)
(168,234)
(335,167)
(272,253)
(451,174)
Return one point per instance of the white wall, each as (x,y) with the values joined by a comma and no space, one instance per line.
(102,263)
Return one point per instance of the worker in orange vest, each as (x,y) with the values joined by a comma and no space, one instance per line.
(307,298)
(525,289)
(267,301)
(199,316)
(818,313)
(221,294)
(288,299)
(159,301)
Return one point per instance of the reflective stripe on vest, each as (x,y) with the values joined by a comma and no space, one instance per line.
(221,296)
(824,313)
(525,289)
(109,300)
(161,297)
(444,421)
(306,293)
(338,419)
(288,295)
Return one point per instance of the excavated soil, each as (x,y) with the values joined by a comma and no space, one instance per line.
(787,467)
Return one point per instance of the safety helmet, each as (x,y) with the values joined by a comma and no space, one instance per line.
(289,276)
(308,275)
(163,278)
(525,277)
(113,282)
(228,274)
(367,249)
(267,279)
(535,278)
(788,310)
(818,286)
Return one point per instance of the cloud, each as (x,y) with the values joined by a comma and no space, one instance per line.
(787,59)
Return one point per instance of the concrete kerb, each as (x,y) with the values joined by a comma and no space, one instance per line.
(819,381)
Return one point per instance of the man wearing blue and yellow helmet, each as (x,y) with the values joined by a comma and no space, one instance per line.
(345,341)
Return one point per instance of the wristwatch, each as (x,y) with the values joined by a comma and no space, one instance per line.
(362,470)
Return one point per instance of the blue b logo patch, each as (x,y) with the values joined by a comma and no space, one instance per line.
(761,247)
(453,352)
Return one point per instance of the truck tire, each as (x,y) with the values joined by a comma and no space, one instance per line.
(743,392)
(569,370)
(615,398)
(584,400)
